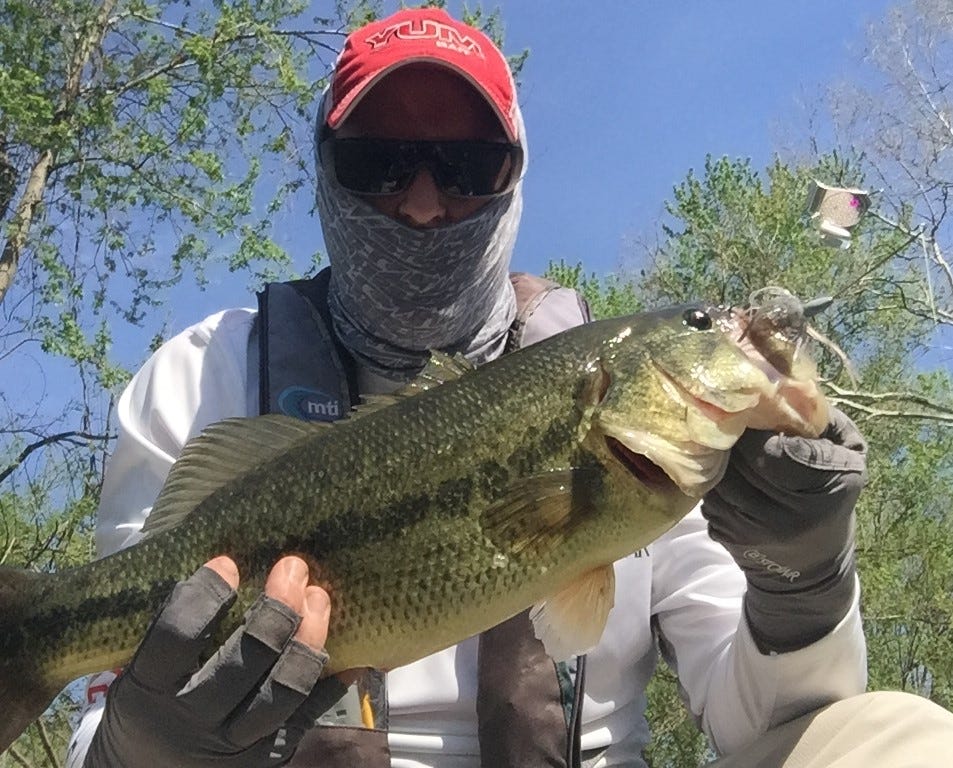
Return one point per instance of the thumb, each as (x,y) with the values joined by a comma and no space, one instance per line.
(313,630)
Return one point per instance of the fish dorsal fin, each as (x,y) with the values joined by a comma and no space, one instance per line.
(440,369)
(222,452)
(538,512)
(372,403)
(572,621)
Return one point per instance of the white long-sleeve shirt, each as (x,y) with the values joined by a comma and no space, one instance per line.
(684,580)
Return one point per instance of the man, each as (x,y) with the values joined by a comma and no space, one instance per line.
(421,149)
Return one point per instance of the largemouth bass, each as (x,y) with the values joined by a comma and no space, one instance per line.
(441,514)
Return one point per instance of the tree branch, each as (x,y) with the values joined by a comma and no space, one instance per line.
(866,402)
(72,437)
(8,178)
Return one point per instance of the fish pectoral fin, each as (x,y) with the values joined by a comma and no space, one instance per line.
(571,622)
(538,512)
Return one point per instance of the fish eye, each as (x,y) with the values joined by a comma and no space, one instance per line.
(698,319)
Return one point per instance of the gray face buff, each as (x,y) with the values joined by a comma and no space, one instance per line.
(397,292)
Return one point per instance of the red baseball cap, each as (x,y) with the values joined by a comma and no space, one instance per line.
(418,35)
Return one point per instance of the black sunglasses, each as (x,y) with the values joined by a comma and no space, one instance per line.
(388,166)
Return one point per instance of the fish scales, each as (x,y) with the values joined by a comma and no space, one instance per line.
(427,520)
(428,496)
(116,597)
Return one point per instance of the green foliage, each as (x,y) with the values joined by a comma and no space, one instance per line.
(359,13)
(160,118)
(732,231)
(46,519)
(905,530)
(158,137)
(491,24)
(608,296)
(676,740)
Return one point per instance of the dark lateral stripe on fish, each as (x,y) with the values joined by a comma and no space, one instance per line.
(452,496)
(116,606)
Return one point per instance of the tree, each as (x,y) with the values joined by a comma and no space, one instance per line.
(733,230)
(900,120)
(124,125)
(117,112)
(140,144)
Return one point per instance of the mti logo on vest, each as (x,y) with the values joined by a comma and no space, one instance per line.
(309,404)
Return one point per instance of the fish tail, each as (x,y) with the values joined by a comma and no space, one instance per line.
(25,690)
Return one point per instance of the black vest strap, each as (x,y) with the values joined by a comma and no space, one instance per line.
(525,715)
(303,370)
(342,746)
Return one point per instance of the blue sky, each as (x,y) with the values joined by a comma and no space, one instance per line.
(621,98)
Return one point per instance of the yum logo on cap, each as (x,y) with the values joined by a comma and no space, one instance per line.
(442,35)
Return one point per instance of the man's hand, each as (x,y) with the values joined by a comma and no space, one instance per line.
(249,704)
(784,510)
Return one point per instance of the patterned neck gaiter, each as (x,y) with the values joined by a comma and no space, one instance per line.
(397,292)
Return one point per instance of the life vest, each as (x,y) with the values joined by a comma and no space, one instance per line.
(531,718)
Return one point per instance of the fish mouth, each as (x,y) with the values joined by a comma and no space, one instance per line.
(715,412)
(640,466)
(697,407)
(691,458)
(664,465)
(780,390)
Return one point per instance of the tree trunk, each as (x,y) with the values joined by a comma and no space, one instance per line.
(23,220)
(35,189)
